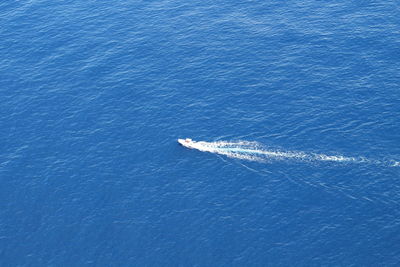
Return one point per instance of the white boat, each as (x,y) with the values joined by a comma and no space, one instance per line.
(189,143)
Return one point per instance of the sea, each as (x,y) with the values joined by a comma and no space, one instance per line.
(293,107)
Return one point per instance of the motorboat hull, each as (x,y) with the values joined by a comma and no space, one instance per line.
(189,143)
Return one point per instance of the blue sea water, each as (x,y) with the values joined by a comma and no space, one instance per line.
(94,95)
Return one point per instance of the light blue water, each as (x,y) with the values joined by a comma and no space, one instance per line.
(95,94)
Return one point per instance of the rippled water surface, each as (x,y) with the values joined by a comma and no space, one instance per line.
(94,95)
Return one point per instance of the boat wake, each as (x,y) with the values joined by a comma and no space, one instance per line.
(254,151)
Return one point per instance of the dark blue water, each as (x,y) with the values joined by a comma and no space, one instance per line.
(94,95)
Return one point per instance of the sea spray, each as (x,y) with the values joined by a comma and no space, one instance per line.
(254,151)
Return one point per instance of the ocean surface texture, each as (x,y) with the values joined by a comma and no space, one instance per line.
(297,102)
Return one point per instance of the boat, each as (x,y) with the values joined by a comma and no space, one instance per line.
(189,143)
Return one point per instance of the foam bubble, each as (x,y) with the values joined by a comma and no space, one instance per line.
(254,151)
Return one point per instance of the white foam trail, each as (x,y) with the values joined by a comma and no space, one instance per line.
(254,151)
